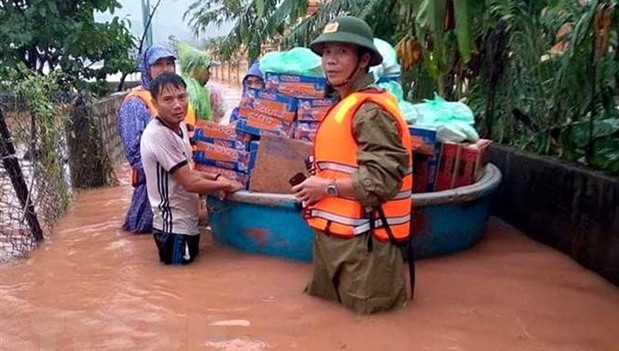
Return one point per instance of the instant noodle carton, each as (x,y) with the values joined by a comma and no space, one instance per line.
(217,131)
(473,159)
(426,155)
(253,153)
(448,166)
(423,140)
(255,123)
(201,159)
(296,86)
(314,110)
(233,144)
(305,131)
(222,153)
(271,104)
(240,177)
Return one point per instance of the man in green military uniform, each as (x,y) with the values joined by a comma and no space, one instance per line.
(359,271)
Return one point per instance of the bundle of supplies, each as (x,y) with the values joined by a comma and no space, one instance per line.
(224,150)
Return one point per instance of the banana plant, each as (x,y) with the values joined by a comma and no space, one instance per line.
(255,21)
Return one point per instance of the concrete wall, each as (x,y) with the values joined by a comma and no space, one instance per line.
(566,206)
(106,110)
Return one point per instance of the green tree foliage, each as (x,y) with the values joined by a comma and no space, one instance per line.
(46,35)
(255,21)
(525,67)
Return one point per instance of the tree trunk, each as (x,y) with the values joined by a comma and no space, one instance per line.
(86,154)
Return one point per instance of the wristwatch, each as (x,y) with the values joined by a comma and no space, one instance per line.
(331,189)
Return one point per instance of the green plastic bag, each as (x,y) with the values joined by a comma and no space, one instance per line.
(296,61)
(394,88)
(454,121)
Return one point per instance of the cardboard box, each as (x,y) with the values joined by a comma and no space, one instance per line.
(222,153)
(271,104)
(305,131)
(240,177)
(423,140)
(278,159)
(253,154)
(296,86)
(200,159)
(420,173)
(473,159)
(217,131)
(433,162)
(314,110)
(233,144)
(424,172)
(257,122)
(448,166)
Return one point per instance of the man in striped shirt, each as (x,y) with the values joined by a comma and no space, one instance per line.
(172,186)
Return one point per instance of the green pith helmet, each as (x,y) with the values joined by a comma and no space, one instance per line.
(350,30)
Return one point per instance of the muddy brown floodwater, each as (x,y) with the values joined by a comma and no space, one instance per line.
(95,287)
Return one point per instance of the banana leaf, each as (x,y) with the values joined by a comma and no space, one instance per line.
(463,29)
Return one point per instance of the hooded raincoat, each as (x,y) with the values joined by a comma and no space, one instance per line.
(254,70)
(133,116)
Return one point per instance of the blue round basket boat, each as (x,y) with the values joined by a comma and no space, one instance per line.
(443,222)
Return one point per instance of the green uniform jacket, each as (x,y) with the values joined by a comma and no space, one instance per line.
(345,270)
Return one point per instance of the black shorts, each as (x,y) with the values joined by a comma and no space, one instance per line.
(176,249)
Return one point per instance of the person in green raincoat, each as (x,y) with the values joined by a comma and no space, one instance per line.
(206,97)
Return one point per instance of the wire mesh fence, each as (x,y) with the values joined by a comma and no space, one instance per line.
(34,181)
(43,159)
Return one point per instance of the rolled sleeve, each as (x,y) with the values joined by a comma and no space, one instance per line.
(383,160)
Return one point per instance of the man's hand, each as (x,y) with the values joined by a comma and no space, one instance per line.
(230,186)
(311,190)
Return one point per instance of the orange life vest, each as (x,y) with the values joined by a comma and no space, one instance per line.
(335,157)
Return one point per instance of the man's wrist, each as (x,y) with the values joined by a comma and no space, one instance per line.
(331,189)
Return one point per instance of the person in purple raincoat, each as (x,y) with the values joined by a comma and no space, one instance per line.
(254,80)
(133,116)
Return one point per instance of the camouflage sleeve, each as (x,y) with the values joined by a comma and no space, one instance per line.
(383,160)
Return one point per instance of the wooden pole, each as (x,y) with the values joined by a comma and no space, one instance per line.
(12,167)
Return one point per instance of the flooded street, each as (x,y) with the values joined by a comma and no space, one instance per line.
(96,287)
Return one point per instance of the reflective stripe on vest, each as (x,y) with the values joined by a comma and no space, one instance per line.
(335,157)
(331,166)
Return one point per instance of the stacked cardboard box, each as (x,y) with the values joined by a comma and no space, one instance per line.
(223,149)
(473,158)
(426,154)
(296,86)
(461,164)
(441,166)
(267,112)
(310,113)
(309,92)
